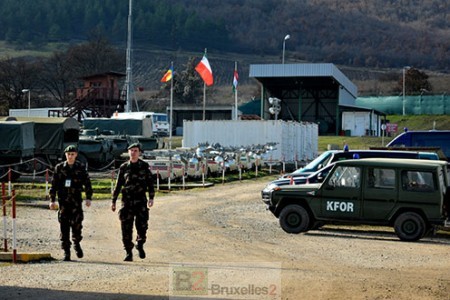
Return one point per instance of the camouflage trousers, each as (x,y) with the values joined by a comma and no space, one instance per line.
(70,218)
(137,215)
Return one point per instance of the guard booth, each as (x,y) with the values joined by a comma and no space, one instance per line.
(308,92)
(99,96)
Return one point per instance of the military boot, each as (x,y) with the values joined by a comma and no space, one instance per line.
(66,255)
(78,250)
(129,255)
(140,249)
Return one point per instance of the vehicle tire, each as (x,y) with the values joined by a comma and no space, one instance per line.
(40,164)
(294,219)
(410,226)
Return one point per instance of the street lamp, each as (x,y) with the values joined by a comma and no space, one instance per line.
(284,45)
(29,99)
(404,79)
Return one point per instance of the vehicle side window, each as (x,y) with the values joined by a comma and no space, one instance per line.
(346,177)
(418,181)
(381,178)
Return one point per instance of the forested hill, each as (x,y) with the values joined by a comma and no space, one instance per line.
(360,33)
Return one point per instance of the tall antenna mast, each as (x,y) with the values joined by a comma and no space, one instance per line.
(128,79)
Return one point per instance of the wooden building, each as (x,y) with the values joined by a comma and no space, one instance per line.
(100,96)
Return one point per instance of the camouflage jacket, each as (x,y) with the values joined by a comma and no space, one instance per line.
(68,182)
(134,180)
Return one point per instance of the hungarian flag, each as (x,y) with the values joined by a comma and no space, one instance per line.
(235,80)
(168,76)
(204,70)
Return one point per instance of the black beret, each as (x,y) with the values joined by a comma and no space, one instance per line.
(71,148)
(134,145)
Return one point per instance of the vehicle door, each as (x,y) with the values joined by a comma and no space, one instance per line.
(420,188)
(379,193)
(341,194)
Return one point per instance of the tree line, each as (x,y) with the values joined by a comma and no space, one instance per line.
(359,33)
(53,81)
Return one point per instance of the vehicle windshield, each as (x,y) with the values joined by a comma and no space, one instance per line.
(316,164)
(160,118)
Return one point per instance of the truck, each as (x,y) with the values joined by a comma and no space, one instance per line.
(35,144)
(158,121)
(16,146)
(51,137)
(412,196)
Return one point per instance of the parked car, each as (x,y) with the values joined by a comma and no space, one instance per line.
(316,177)
(331,156)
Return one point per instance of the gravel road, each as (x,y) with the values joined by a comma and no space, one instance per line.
(220,242)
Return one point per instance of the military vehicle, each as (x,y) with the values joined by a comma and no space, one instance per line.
(135,130)
(412,196)
(16,146)
(51,136)
(34,144)
(306,174)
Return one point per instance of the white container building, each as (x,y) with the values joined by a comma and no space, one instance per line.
(294,141)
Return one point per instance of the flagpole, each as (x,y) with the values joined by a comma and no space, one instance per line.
(171,106)
(128,80)
(235,95)
(204,101)
(204,97)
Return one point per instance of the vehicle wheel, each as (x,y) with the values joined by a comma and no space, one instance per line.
(41,164)
(294,219)
(410,226)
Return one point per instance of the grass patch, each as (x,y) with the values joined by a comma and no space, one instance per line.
(14,51)
(26,192)
(29,192)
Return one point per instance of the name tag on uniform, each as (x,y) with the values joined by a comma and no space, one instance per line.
(68,182)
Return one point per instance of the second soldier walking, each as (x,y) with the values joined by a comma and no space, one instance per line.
(134,181)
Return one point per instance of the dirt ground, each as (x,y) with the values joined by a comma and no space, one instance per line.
(221,242)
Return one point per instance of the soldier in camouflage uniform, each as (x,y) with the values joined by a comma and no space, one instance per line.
(134,180)
(69,178)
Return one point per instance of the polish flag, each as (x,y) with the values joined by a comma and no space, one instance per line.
(204,70)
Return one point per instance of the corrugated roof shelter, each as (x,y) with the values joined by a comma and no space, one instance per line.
(308,92)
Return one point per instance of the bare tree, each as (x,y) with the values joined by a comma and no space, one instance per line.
(15,76)
(62,71)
